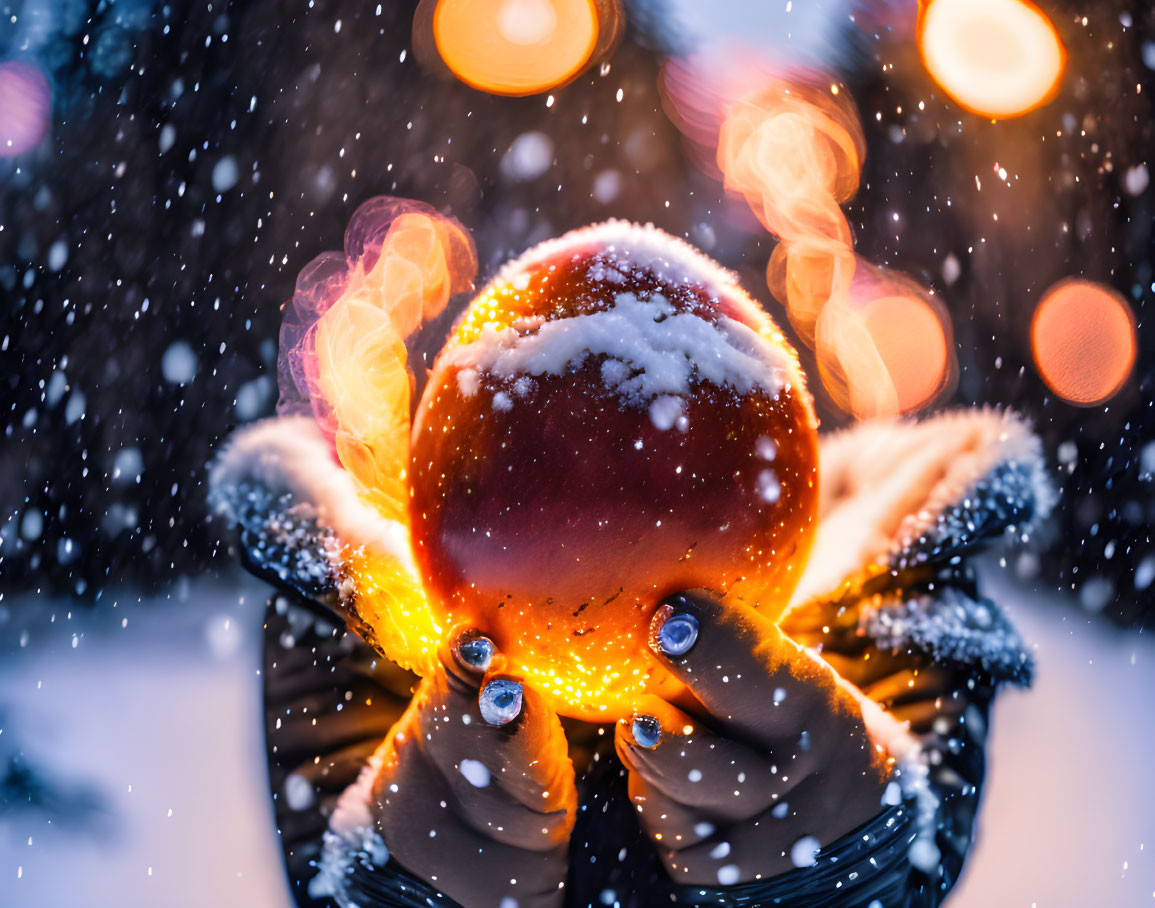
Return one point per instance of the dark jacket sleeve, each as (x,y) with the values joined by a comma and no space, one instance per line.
(329,703)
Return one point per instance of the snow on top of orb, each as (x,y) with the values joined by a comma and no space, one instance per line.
(662,350)
(645,246)
(652,352)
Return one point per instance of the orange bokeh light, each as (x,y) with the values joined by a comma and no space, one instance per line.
(912,342)
(515,47)
(794,153)
(888,349)
(998,58)
(1083,338)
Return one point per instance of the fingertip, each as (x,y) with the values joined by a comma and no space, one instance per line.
(675,627)
(646,730)
(467,648)
(469,657)
(500,701)
(727,655)
(654,722)
(474,651)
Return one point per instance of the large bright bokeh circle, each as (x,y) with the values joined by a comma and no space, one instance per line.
(913,344)
(998,58)
(515,47)
(1083,338)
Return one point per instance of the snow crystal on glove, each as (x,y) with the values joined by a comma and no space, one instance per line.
(952,627)
(1013,494)
(280,538)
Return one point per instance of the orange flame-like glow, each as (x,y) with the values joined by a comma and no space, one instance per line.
(1083,337)
(794,153)
(343,352)
(998,58)
(516,47)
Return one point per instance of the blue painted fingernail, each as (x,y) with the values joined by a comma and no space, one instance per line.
(647,731)
(476,651)
(500,701)
(678,633)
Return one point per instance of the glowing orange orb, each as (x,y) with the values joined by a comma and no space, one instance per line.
(614,420)
(1083,336)
(515,47)
(998,58)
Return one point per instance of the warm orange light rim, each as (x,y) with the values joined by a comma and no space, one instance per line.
(556,80)
(1044,99)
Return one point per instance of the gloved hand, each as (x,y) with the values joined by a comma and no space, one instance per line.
(476,790)
(887,597)
(766,761)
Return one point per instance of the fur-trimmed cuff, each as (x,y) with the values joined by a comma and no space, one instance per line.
(296,507)
(896,494)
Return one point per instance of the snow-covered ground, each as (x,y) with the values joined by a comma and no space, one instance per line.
(1068,819)
(162,716)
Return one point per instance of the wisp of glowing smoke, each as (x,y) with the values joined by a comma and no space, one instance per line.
(343,357)
(794,151)
(343,336)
